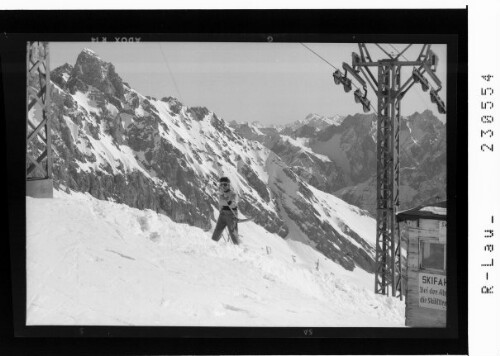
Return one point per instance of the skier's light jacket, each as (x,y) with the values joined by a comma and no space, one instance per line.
(227,199)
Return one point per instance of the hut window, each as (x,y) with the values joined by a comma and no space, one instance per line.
(432,255)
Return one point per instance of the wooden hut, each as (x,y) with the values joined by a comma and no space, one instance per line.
(423,236)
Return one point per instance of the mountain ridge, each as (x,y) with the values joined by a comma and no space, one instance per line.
(350,149)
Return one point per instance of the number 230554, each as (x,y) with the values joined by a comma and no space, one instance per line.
(487,106)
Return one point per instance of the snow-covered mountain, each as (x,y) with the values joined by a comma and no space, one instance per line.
(119,145)
(308,126)
(313,122)
(422,161)
(96,262)
(341,158)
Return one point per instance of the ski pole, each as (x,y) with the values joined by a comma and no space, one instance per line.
(228,238)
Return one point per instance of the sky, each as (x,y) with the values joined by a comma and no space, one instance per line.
(273,83)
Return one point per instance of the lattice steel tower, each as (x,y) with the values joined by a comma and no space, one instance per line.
(389,91)
(38,134)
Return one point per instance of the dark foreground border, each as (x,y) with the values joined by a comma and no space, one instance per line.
(417,26)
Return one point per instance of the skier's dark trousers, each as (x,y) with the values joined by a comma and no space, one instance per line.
(228,211)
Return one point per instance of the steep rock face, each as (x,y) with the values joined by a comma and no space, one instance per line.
(91,70)
(254,181)
(254,133)
(423,165)
(316,215)
(305,131)
(163,179)
(339,155)
(349,144)
(315,169)
(61,74)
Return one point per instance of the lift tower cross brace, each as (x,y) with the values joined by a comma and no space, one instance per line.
(38,135)
(389,91)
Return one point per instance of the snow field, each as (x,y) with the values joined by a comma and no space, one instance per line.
(302,143)
(356,219)
(93,262)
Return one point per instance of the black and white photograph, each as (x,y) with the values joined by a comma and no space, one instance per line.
(236,184)
(283,180)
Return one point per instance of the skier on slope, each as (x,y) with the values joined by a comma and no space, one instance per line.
(228,211)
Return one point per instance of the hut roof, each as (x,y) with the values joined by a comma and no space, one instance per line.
(434,211)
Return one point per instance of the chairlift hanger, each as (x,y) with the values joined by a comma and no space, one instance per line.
(361,98)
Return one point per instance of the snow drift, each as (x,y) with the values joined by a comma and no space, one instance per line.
(95,262)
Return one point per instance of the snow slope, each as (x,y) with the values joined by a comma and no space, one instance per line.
(95,262)
(302,143)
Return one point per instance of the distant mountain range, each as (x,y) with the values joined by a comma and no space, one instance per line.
(340,157)
(313,122)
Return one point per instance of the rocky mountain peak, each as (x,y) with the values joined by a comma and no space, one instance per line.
(356,119)
(66,67)
(91,70)
(359,123)
(257,123)
(424,116)
(61,74)
(319,121)
(423,126)
(174,104)
(89,52)
(312,116)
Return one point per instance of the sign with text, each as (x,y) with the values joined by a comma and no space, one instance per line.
(432,291)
